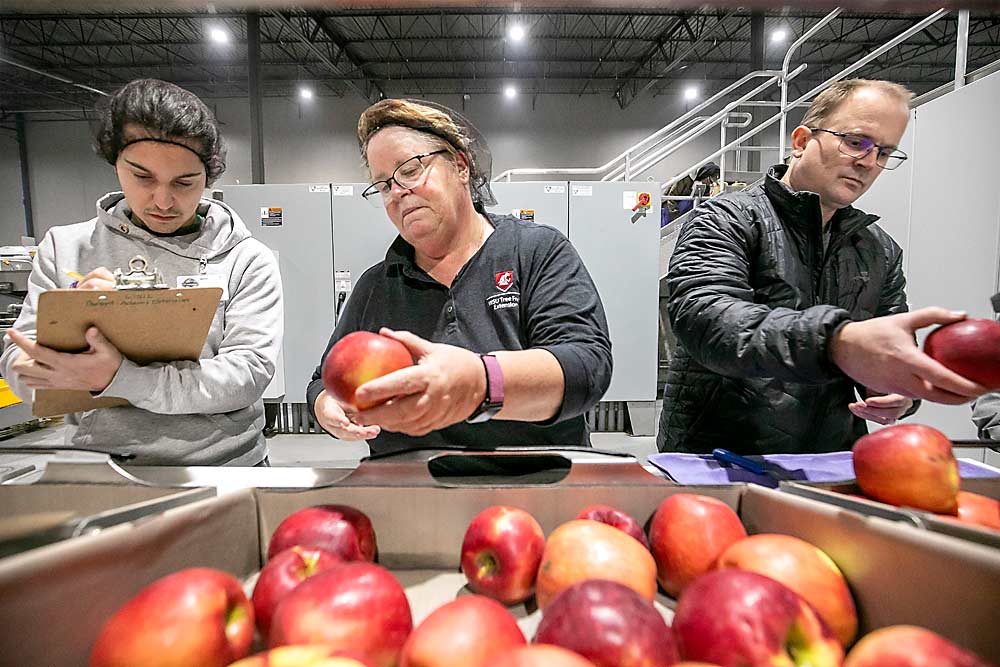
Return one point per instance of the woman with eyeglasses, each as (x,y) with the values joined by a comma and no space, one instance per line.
(502,318)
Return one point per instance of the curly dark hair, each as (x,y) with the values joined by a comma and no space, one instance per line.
(166,111)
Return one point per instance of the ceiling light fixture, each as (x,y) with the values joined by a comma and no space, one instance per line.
(516,32)
(510,92)
(690,93)
(779,35)
(306,93)
(218,35)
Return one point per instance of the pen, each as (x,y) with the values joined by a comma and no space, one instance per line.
(77,277)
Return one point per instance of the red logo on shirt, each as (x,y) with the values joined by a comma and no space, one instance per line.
(504,280)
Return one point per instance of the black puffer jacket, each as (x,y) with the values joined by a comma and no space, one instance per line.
(754,301)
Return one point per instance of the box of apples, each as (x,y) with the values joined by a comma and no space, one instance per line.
(608,565)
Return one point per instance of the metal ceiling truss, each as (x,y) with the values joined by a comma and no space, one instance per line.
(378,53)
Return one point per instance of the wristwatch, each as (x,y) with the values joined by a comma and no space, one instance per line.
(493,402)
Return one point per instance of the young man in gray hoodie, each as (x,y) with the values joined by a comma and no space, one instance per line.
(165,147)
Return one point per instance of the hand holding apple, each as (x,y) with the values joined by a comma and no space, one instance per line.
(971,348)
(501,552)
(342,530)
(197,617)
(908,465)
(357,358)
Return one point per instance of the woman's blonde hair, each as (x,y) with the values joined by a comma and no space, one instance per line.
(450,129)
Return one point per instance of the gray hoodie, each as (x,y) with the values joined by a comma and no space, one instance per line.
(207,412)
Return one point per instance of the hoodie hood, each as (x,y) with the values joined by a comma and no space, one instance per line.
(221,231)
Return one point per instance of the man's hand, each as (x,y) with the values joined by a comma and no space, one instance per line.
(338,422)
(881,354)
(40,367)
(443,388)
(881,409)
(98,279)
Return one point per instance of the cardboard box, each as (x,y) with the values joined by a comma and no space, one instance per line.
(836,494)
(898,574)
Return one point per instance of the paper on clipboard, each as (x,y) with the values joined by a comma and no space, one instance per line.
(146,326)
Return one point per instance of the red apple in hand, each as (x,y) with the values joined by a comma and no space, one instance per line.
(583,549)
(908,465)
(309,655)
(616,519)
(356,607)
(971,348)
(687,534)
(909,646)
(339,529)
(281,575)
(803,568)
(466,632)
(501,552)
(358,358)
(743,619)
(192,618)
(540,655)
(609,624)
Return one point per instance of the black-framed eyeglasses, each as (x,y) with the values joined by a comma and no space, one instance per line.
(406,175)
(858,146)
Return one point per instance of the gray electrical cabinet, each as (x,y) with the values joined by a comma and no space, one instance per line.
(544,202)
(618,239)
(362,233)
(295,222)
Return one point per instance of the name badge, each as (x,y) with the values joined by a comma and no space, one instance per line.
(205,280)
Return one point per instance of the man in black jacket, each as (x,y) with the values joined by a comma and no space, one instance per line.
(786,300)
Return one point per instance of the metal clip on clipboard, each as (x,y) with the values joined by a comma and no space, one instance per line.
(139,276)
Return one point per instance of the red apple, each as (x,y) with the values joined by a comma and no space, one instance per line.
(743,619)
(283,573)
(803,568)
(978,510)
(539,655)
(687,533)
(615,518)
(309,655)
(609,624)
(357,607)
(197,617)
(339,529)
(583,549)
(909,646)
(908,465)
(501,552)
(971,348)
(466,632)
(358,358)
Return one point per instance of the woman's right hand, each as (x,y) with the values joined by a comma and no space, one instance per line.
(336,420)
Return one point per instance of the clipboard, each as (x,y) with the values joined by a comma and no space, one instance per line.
(146,325)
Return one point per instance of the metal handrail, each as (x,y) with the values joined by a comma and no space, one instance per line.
(903,36)
(627,172)
(616,173)
(784,71)
(659,133)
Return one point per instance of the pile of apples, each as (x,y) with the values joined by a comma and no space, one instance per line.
(912,465)
(322,601)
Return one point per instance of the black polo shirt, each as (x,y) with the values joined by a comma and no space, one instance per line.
(525,288)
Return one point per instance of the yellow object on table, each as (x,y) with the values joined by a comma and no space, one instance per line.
(7,397)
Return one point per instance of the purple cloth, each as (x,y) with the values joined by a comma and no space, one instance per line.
(832,467)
